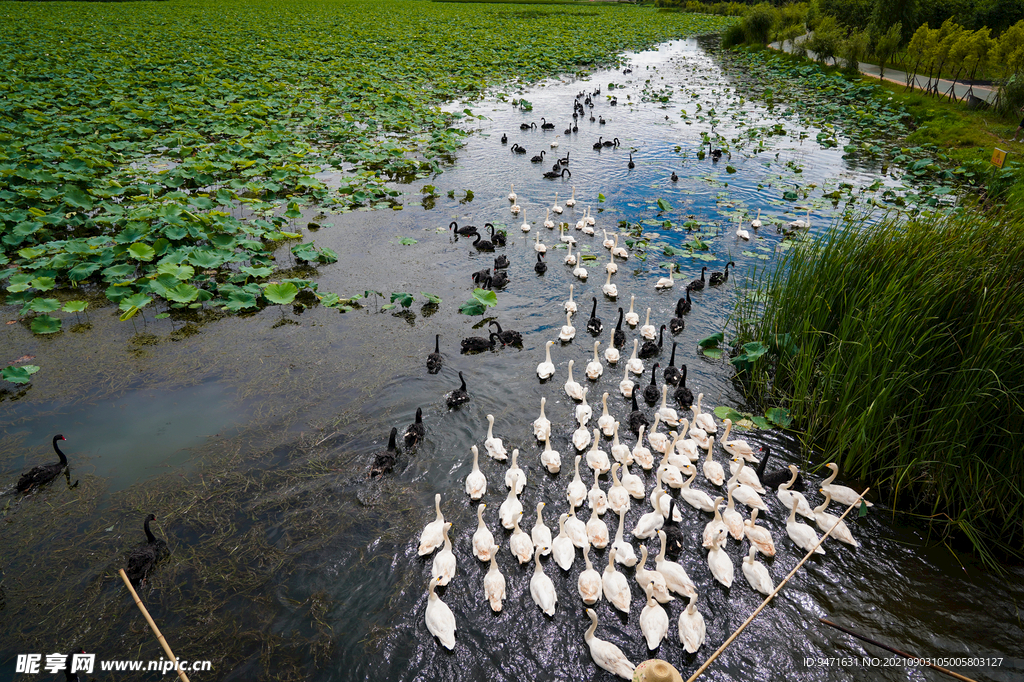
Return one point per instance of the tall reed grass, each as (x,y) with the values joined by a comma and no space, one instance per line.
(905,364)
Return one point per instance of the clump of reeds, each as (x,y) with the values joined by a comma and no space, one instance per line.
(904,362)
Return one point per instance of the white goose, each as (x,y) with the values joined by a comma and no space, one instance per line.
(576,490)
(732,519)
(607,242)
(609,289)
(570,259)
(525,227)
(443,567)
(580,272)
(546,369)
(582,222)
(687,447)
(759,537)
(540,533)
(440,619)
(713,471)
(676,578)
(515,208)
(570,305)
(792,499)
(556,207)
(597,459)
(714,525)
(619,251)
(476,483)
(591,221)
(641,455)
(620,451)
(647,330)
(548,222)
(624,553)
(745,474)
(512,196)
(653,620)
(719,562)
(551,460)
(737,448)
(692,628)
(698,499)
(666,282)
(564,236)
(633,484)
(618,496)
(670,473)
(495,448)
(483,539)
(615,585)
(494,582)
(589,583)
(594,368)
(576,529)
(433,533)
(756,222)
(703,420)
(568,331)
(584,411)
(573,388)
(510,509)
(542,589)
(611,353)
(632,319)
(826,521)
(542,425)
(700,436)
(680,461)
(635,364)
(756,573)
(562,549)
(571,201)
(626,386)
(840,493)
(538,245)
(597,531)
(606,655)
(802,535)
(605,422)
(597,499)
(643,577)
(667,414)
(658,441)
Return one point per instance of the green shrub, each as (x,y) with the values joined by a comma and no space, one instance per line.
(734,35)
(759,22)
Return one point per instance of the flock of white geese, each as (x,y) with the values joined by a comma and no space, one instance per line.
(677,456)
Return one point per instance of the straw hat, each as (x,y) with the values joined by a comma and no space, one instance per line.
(656,670)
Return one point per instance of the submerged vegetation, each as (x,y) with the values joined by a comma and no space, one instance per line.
(896,351)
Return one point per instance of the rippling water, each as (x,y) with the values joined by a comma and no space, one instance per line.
(319,396)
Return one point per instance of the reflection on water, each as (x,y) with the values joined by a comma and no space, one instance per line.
(336,588)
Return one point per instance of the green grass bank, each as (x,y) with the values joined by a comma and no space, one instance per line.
(897,350)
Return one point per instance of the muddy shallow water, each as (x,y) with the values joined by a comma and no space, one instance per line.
(251,436)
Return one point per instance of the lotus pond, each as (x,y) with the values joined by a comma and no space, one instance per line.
(249,431)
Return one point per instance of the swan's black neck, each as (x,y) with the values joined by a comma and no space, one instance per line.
(492,229)
(437,343)
(661,336)
(494,338)
(671,511)
(636,408)
(463,387)
(394,433)
(618,325)
(682,379)
(419,415)
(566,170)
(149,534)
(764,461)
(593,311)
(477,238)
(496,324)
(688,296)
(654,374)
(672,360)
(56,448)
(453,225)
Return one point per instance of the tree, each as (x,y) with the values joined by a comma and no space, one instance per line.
(886,45)
(919,51)
(827,39)
(888,13)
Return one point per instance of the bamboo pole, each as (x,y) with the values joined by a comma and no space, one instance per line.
(149,619)
(767,599)
(897,651)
